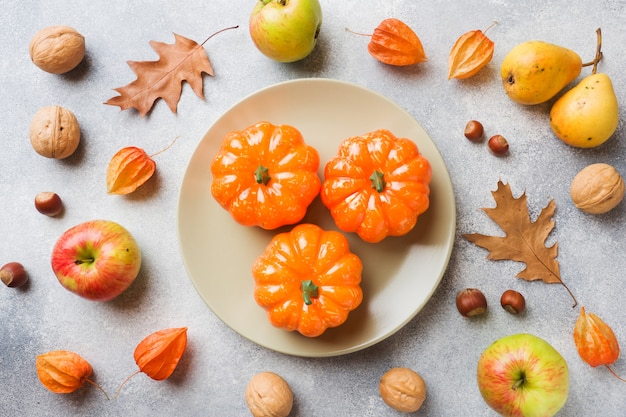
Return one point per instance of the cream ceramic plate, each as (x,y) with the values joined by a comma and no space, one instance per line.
(400,274)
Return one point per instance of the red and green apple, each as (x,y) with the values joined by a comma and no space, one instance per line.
(285,30)
(97,260)
(522,375)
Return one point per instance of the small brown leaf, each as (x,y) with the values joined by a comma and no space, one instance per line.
(524,240)
(62,371)
(185,60)
(158,354)
(129,168)
(470,53)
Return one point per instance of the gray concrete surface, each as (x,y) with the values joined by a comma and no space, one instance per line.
(211,378)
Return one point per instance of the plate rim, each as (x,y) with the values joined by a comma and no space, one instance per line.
(450,198)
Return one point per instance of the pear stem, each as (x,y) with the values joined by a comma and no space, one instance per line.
(599,55)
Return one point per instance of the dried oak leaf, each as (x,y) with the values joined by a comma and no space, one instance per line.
(185,60)
(523,240)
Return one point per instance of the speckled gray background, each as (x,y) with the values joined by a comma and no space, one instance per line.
(210,380)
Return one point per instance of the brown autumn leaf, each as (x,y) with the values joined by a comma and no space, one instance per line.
(523,240)
(185,60)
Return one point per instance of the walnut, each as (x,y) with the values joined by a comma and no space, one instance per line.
(54,132)
(403,389)
(57,49)
(269,395)
(597,188)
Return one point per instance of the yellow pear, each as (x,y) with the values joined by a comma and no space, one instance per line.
(587,115)
(535,71)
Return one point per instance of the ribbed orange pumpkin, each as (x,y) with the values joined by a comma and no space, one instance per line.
(308,280)
(265,175)
(377,185)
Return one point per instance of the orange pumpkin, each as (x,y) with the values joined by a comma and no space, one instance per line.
(265,175)
(377,185)
(308,280)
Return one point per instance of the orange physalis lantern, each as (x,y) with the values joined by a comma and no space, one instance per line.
(158,354)
(129,168)
(595,341)
(63,372)
(395,43)
(470,53)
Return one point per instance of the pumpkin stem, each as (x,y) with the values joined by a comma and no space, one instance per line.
(378,181)
(615,374)
(262,176)
(309,290)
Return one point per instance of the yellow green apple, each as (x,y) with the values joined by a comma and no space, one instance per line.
(522,375)
(285,30)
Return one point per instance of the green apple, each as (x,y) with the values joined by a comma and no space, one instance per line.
(522,375)
(285,30)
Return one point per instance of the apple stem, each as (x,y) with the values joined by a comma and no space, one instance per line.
(219,31)
(599,54)
(614,373)
(519,383)
(82,261)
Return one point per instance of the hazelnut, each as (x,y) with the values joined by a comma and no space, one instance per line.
(471,302)
(512,301)
(474,130)
(597,188)
(13,274)
(498,145)
(48,203)
(54,132)
(57,49)
(402,389)
(269,395)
